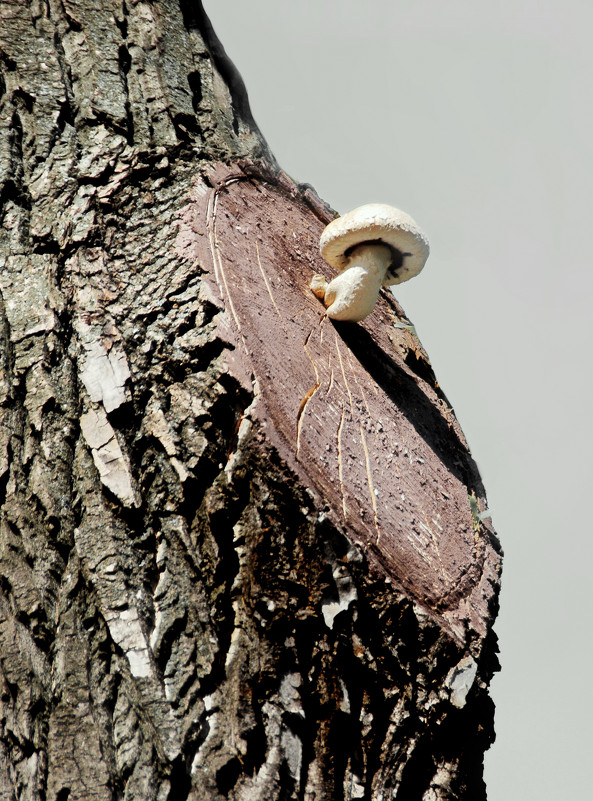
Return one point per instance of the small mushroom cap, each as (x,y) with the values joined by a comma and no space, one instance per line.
(377,222)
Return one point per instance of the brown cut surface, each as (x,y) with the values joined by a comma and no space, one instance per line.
(353,409)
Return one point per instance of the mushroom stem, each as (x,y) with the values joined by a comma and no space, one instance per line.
(352,294)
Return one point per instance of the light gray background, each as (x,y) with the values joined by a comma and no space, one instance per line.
(474,117)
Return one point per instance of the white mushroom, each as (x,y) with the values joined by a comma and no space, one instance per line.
(372,246)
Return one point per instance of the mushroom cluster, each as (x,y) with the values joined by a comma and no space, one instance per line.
(372,246)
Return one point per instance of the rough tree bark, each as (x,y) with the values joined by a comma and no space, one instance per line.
(241,548)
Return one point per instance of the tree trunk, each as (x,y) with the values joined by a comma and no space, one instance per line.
(242,548)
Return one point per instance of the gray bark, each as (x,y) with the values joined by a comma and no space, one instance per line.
(185,612)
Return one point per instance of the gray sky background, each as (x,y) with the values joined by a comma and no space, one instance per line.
(476,119)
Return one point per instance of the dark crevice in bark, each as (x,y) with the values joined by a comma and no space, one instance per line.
(194,80)
(22,100)
(73,23)
(125,63)
(228,775)
(65,117)
(69,104)
(186,127)
(122,23)
(165,650)
(13,187)
(418,773)
(180,781)
(101,119)
(11,192)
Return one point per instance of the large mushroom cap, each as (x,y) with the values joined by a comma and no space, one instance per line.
(377,222)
